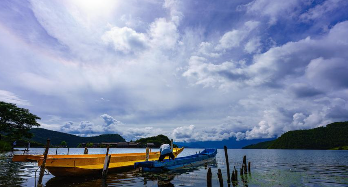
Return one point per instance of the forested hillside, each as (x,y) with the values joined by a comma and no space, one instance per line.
(334,135)
(40,135)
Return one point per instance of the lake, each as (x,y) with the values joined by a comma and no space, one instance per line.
(268,168)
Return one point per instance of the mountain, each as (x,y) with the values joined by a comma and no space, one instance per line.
(231,143)
(334,135)
(41,135)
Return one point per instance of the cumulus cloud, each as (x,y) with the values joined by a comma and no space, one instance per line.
(235,37)
(125,40)
(214,75)
(253,45)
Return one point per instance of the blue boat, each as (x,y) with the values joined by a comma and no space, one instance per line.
(207,155)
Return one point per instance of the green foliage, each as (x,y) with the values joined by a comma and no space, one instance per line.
(157,140)
(89,145)
(334,135)
(5,146)
(79,146)
(16,122)
(41,135)
(63,143)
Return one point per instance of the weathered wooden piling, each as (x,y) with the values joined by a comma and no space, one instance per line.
(227,165)
(220,178)
(57,151)
(42,168)
(106,163)
(235,174)
(86,151)
(147,154)
(209,176)
(241,171)
(171,144)
(244,164)
(249,167)
(68,151)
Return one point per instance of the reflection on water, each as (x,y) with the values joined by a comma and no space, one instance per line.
(268,168)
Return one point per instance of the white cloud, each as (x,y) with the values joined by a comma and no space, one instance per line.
(125,40)
(274,10)
(321,10)
(10,97)
(163,34)
(235,37)
(253,45)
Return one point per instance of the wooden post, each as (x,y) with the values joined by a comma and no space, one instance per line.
(241,171)
(236,173)
(227,165)
(42,168)
(57,151)
(209,176)
(220,178)
(249,167)
(244,164)
(86,151)
(147,154)
(68,151)
(171,144)
(106,163)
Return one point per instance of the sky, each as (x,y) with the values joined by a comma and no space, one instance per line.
(194,70)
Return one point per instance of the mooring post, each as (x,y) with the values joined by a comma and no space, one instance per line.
(241,171)
(220,178)
(42,168)
(171,144)
(209,176)
(86,151)
(106,163)
(57,151)
(249,167)
(227,165)
(147,154)
(68,150)
(244,164)
(235,174)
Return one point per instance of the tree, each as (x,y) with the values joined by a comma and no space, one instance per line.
(63,143)
(16,122)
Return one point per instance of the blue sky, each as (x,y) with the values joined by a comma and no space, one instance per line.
(194,70)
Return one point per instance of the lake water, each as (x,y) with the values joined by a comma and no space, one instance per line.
(268,168)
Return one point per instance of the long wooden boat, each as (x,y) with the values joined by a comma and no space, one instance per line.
(79,165)
(205,156)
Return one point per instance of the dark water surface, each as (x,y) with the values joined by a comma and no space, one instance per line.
(268,168)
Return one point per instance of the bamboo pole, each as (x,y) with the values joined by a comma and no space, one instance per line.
(209,176)
(227,165)
(42,168)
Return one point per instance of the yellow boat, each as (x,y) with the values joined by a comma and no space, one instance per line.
(77,165)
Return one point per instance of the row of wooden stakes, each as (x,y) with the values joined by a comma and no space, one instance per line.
(245,169)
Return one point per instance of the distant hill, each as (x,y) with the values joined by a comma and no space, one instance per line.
(41,135)
(231,143)
(157,140)
(334,135)
(261,145)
